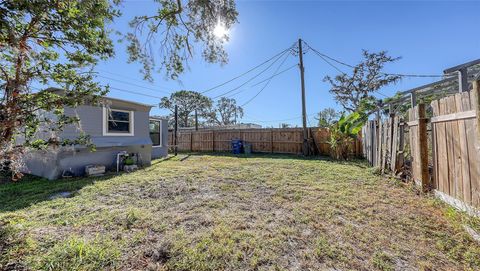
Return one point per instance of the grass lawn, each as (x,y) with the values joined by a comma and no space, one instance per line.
(214,212)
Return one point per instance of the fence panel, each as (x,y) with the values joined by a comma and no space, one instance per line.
(269,140)
(413,139)
(382,143)
(455,147)
(455,130)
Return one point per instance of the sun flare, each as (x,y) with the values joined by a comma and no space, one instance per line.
(220,31)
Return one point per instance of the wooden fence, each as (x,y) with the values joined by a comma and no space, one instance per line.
(383,143)
(265,140)
(417,123)
(456,147)
(453,150)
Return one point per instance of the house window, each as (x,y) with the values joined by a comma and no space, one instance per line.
(155,132)
(117,122)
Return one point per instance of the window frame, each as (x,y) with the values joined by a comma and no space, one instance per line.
(105,122)
(159,132)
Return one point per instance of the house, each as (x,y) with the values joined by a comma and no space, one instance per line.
(114,126)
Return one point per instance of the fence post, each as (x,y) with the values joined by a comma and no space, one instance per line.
(191,142)
(401,143)
(423,147)
(213,140)
(372,143)
(476,101)
(271,140)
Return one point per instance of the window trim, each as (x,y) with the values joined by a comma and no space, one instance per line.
(105,122)
(159,132)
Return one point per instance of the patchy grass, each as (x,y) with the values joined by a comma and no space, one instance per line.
(214,212)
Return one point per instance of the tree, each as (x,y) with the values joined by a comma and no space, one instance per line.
(187,102)
(179,25)
(327,117)
(47,42)
(366,78)
(225,112)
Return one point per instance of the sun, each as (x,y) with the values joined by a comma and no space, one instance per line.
(220,31)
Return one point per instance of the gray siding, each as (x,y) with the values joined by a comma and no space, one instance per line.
(91,123)
(161,151)
(51,164)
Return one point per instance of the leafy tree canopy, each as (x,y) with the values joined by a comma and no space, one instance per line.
(165,40)
(187,102)
(225,112)
(327,117)
(367,77)
(52,42)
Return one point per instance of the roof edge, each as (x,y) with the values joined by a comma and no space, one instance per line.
(55,89)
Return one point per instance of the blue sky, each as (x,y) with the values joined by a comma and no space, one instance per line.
(429,36)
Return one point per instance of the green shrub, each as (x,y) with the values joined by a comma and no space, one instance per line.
(343,133)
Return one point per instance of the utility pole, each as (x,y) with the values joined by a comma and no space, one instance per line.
(196,120)
(304,111)
(175,131)
(235,115)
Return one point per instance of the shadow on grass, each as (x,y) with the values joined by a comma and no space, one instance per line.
(358,162)
(31,190)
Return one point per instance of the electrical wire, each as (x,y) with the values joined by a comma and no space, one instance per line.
(132,84)
(129,78)
(328,62)
(278,120)
(266,84)
(324,57)
(252,69)
(266,79)
(382,94)
(275,75)
(255,76)
(136,93)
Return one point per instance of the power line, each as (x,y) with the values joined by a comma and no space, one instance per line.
(136,93)
(267,83)
(328,62)
(275,75)
(382,94)
(266,79)
(252,78)
(252,69)
(126,77)
(132,84)
(324,57)
(294,118)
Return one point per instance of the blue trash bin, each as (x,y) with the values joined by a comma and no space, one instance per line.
(237,145)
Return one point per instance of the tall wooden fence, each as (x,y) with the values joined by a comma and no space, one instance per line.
(447,161)
(265,140)
(456,146)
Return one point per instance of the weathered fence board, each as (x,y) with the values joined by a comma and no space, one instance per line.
(269,140)
(454,145)
(456,171)
(382,143)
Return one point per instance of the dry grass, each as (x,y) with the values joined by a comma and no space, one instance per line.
(213,212)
